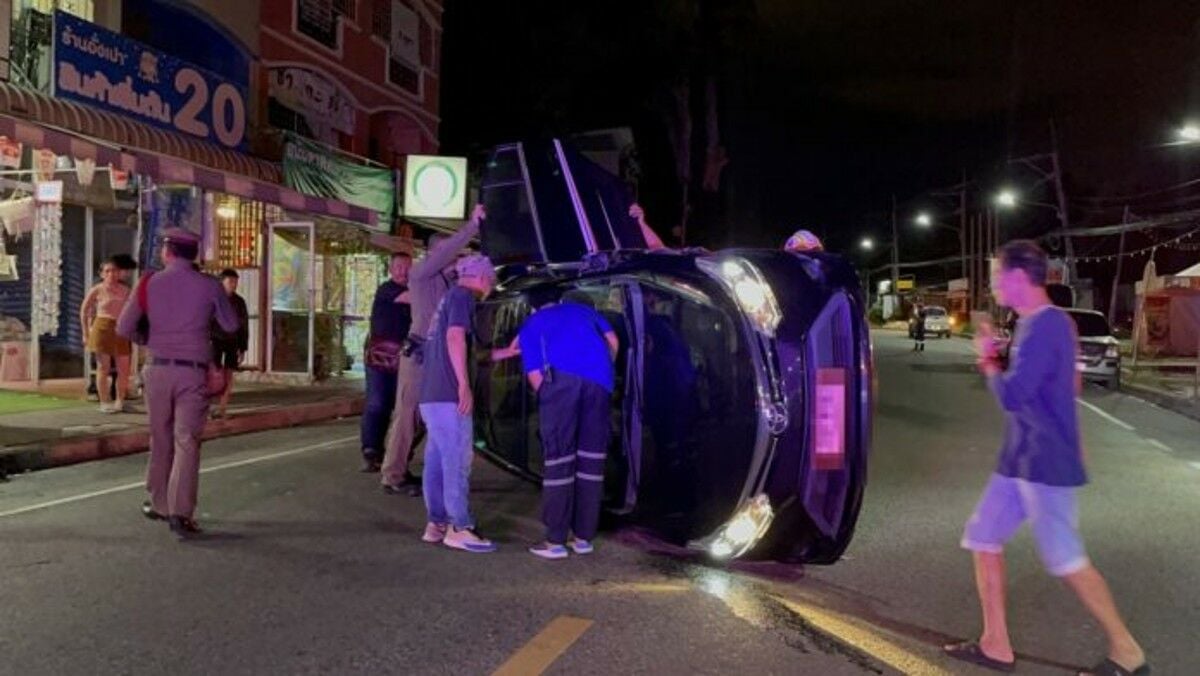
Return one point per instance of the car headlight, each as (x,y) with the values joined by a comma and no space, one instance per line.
(748,288)
(741,532)
(952,321)
(1112,352)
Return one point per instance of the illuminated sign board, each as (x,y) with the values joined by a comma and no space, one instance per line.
(435,187)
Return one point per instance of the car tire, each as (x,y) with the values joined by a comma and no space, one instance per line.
(1114,383)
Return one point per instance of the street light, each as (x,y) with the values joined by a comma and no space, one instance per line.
(1006,198)
(867,244)
(923,220)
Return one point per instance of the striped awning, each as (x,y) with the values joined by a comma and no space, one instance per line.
(79,131)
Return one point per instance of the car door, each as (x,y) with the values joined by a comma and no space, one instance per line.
(546,203)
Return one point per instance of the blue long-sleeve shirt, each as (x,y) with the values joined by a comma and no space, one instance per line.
(1041,433)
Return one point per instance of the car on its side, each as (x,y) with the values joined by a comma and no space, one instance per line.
(741,413)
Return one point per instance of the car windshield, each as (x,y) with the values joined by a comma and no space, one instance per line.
(1091,325)
(935,312)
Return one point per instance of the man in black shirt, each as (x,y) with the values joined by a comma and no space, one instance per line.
(229,349)
(390,320)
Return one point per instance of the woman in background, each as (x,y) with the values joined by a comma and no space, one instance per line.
(98,317)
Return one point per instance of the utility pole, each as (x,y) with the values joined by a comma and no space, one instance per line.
(962,222)
(1112,298)
(1061,195)
(895,252)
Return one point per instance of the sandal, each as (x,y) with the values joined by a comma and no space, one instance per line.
(1111,668)
(970,651)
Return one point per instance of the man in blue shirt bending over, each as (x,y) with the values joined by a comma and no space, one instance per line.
(568,351)
(1040,468)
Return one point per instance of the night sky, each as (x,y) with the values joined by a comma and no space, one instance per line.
(828,108)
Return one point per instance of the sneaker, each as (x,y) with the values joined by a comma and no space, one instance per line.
(550,551)
(582,546)
(434,533)
(466,540)
(107,408)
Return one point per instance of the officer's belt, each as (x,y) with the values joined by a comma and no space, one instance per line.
(203,366)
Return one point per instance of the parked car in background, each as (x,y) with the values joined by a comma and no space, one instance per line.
(1099,357)
(938,322)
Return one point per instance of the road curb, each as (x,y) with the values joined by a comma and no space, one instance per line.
(1174,404)
(60,452)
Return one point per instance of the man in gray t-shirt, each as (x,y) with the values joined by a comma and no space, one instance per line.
(446,404)
(1039,471)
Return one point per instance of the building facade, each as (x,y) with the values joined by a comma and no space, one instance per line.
(173,112)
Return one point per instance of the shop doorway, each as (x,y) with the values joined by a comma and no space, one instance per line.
(291,290)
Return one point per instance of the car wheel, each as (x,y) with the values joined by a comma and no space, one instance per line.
(1114,383)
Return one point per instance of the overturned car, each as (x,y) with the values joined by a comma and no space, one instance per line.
(742,408)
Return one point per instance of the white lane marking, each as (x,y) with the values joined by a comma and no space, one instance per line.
(1160,445)
(204,470)
(1100,412)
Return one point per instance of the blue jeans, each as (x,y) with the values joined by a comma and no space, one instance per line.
(448,455)
(377,411)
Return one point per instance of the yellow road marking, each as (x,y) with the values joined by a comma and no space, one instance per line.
(540,652)
(866,640)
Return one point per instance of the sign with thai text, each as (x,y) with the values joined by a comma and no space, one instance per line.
(316,170)
(100,68)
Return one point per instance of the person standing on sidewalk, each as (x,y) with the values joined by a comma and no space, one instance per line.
(446,404)
(229,349)
(428,282)
(179,305)
(568,350)
(1040,468)
(98,315)
(390,321)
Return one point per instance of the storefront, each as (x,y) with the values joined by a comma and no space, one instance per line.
(228,197)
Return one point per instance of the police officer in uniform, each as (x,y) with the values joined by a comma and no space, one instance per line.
(179,304)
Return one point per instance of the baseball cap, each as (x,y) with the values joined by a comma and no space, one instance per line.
(475,265)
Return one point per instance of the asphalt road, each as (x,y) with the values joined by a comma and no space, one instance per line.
(309,568)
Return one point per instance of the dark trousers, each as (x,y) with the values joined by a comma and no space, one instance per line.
(574,424)
(377,411)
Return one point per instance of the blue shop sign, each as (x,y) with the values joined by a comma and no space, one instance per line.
(100,68)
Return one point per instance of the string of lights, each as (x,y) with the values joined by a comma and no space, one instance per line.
(1178,243)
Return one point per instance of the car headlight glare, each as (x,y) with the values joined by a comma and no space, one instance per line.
(748,288)
(742,531)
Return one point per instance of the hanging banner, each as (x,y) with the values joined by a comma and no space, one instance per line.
(405,39)
(44,164)
(85,171)
(10,153)
(318,171)
(119,178)
(103,69)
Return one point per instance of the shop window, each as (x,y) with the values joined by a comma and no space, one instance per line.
(238,223)
(317,19)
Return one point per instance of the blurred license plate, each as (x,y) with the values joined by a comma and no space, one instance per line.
(830,448)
